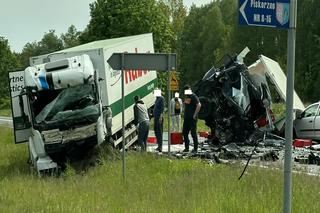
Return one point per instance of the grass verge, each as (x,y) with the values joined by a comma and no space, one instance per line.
(153,184)
(5,112)
(278,109)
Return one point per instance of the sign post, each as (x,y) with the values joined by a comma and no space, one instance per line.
(278,14)
(287,192)
(169,107)
(141,61)
(173,85)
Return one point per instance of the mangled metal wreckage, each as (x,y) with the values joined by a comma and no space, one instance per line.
(236,101)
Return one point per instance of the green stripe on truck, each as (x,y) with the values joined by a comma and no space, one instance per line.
(143,91)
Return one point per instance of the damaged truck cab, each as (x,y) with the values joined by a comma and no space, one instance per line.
(64,96)
(237,101)
(69,101)
(65,109)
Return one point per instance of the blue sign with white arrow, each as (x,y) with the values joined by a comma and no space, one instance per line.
(265,13)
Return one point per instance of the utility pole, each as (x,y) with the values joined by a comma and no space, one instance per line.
(287,193)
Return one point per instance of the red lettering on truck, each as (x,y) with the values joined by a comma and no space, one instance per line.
(132,75)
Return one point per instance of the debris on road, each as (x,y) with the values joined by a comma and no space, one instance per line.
(269,152)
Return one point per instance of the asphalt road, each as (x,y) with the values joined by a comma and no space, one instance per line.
(6,121)
(174,147)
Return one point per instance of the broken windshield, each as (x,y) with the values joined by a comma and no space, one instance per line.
(72,105)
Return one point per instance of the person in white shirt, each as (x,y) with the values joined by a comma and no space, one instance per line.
(176,107)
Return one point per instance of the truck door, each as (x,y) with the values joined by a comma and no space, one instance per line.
(19,107)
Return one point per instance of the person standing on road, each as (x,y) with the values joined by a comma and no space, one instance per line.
(176,110)
(191,110)
(158,118)
(141,120)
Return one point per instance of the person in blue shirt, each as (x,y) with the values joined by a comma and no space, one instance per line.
(158,118)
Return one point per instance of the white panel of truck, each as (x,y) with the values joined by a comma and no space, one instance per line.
(21,119)
(273,70)
(137,82)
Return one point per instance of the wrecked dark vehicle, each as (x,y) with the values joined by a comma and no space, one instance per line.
(235,102)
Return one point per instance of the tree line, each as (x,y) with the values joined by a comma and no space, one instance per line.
(200,36)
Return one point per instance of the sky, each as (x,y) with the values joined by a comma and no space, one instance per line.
(23,21)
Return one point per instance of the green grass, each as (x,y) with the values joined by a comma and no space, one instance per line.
(278,109)
(153,184)
(5,112)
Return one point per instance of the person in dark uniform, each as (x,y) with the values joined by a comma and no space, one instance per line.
(141,120)
(158,118)
(191,109)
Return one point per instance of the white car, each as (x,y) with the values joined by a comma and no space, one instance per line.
(307,124)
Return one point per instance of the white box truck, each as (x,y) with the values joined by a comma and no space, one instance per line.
(71,99)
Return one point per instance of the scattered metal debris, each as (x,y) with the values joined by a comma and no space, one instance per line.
(265,152)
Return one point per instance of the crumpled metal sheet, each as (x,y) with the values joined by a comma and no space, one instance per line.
(57,136)
(268,153)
